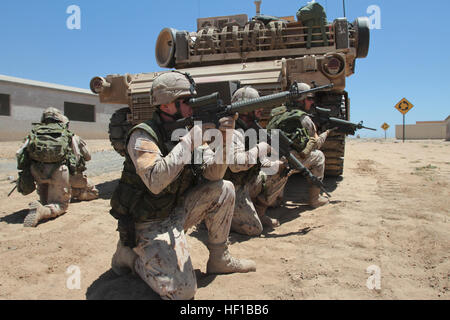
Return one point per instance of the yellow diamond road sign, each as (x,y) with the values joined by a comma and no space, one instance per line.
(404,106)
(385,126)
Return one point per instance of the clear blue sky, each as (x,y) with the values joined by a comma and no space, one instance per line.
(409,57)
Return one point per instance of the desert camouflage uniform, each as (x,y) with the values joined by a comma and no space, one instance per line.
(82,187)
(56,186)
(163,259)
(163,194)
(262,191)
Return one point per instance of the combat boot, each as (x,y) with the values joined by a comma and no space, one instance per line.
(88,195)
(84,194)
(265,220)
(221,261)
(315,199)
(36,213)
(123,260)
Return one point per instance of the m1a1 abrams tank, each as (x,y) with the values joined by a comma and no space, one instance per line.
(266,52)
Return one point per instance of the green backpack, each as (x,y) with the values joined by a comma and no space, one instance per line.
(290,123)
(49,143)
(313,15)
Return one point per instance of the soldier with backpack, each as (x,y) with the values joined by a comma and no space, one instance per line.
(299,127)
(53,159)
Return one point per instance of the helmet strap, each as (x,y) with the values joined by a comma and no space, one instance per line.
(175,116)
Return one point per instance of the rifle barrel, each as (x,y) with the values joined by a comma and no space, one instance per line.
(12,190)
(272,100)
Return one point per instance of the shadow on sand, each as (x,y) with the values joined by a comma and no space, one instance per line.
(16,217)
(110,286)
(106,189)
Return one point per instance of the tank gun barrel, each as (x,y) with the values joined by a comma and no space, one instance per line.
(98,84)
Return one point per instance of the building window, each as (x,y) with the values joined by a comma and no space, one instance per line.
(5,107)
(79,112)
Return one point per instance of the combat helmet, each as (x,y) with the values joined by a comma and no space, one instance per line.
(244,93)
(303,87)
(170,86)
(55,115)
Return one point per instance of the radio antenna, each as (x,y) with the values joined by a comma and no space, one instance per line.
(258,7)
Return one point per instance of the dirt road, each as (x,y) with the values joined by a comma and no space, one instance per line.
(390,213)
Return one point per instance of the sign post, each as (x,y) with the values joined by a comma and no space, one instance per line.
(404,106)
(385,126)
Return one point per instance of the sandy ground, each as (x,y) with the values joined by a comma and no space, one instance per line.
(390,211)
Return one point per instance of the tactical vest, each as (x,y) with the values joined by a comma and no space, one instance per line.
(133,200)
(290,123)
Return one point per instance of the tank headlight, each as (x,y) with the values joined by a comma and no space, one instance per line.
(333,66)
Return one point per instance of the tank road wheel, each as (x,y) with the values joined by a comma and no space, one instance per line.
(334,150)
(118,129)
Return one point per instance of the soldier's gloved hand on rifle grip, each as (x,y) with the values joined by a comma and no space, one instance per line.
(310,146)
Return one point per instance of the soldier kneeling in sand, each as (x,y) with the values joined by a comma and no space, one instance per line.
(53,158)
(256,190)
(298,126)
(161,195)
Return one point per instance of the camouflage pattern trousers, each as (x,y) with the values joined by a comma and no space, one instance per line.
(163,259)
(263,190)
(315,162)
(55,186)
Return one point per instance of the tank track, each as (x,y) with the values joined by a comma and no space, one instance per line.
(118,129)
(334,150)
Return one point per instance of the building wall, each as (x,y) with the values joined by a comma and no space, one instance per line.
(422,131)
(27,102)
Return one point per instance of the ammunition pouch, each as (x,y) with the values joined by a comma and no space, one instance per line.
(23,160)
(25,182)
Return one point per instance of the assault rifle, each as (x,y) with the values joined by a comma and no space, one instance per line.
(12,190)
(285,150)
(210,108)
(322,117)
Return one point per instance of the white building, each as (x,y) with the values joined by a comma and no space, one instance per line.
(23,101)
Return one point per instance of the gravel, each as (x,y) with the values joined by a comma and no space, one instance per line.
(101,162)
